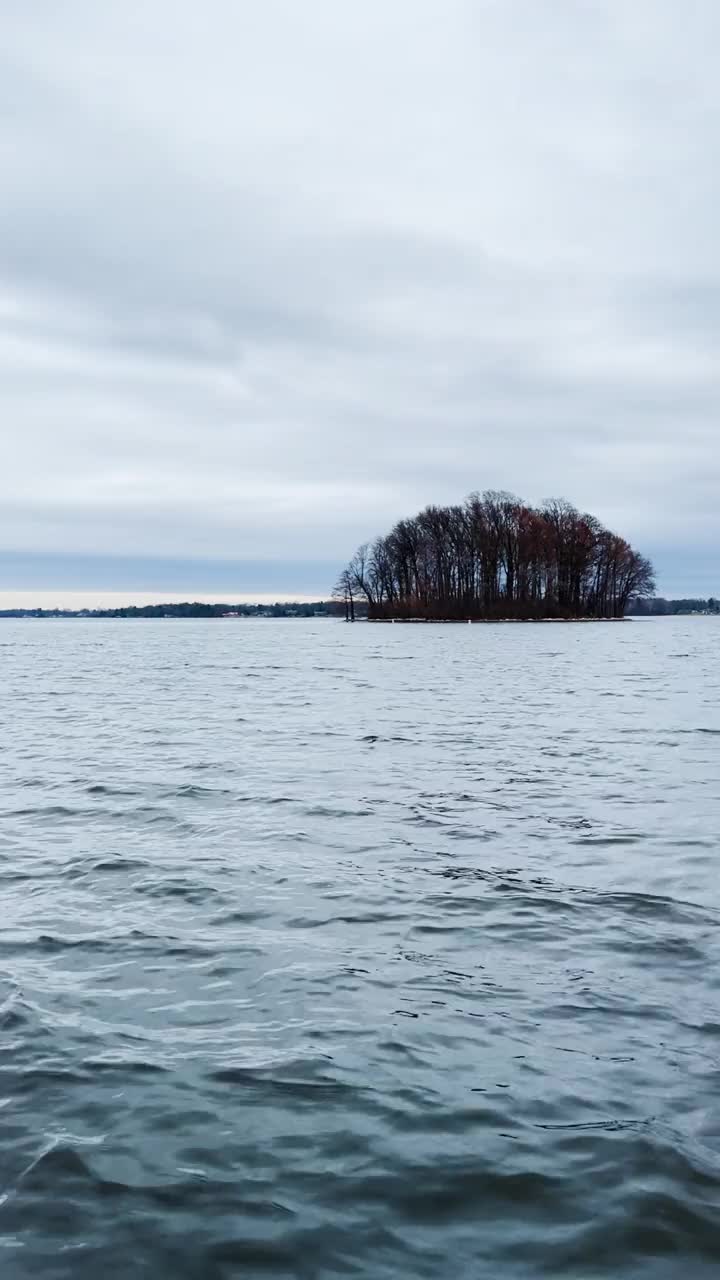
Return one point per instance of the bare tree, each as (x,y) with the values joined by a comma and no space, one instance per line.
(344,593)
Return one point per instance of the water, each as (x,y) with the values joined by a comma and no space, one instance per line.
(359,951)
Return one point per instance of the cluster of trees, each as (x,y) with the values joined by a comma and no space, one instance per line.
(495,557)
(657,606)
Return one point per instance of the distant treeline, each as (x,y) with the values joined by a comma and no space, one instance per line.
(185,609)
(658,607)
(496,557)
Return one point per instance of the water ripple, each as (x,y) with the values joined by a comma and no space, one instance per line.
(339,950)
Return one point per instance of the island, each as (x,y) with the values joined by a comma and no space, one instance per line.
(494,558)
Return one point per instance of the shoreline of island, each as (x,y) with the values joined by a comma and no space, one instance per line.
(491,622)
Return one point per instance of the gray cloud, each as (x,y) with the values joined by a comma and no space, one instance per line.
(272,275)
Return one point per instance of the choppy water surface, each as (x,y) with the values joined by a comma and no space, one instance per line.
(359,951)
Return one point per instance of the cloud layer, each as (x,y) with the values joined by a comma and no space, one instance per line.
(272,275)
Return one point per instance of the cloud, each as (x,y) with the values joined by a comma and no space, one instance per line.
(273,275)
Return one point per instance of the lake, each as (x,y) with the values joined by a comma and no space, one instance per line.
(363,950)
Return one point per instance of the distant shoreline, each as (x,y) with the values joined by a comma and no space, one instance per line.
(184,609)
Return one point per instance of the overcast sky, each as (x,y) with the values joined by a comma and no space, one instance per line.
(273,274)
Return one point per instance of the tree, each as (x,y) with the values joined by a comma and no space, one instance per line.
(344,593)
